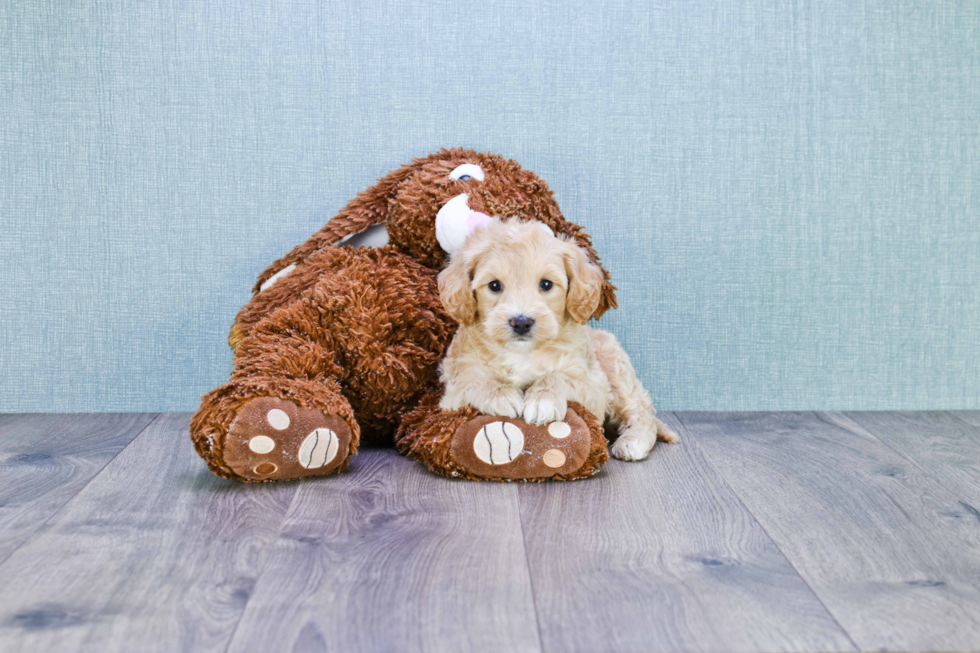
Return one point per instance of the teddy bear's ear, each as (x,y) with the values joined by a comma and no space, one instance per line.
(369,208)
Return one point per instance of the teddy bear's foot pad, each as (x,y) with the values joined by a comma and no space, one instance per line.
(272,439)
(511,449)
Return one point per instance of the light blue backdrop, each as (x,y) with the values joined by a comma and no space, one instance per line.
(786,192)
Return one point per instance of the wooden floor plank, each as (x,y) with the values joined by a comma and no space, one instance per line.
(46,459)
(154,554)
(971,417)
(943,445)
(892,554)
(660,555)
(391,557)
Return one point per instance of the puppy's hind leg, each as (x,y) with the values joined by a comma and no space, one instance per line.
(631,408)
(639,433)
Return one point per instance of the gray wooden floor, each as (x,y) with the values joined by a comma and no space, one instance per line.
(759,532)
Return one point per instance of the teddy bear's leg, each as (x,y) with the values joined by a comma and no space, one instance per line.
(274,430)
(467,444)
(282,415)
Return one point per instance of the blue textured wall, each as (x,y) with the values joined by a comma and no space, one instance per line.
(787,193)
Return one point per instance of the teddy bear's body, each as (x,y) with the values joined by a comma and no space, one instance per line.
(341,343)
(372,321)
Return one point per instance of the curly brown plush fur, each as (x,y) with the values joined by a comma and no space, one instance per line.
(359,333)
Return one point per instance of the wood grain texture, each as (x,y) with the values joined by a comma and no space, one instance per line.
(971,417)
(943,445)
(391,557)
(139,547)
(660,555)
(46,459)
(891,553)
(154,554)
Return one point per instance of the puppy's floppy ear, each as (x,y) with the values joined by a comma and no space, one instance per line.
(455,289)
(546,210)
(585,284)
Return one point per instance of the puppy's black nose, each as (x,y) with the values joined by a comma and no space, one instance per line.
(521,324)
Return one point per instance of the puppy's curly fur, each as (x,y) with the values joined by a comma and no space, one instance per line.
(522,296)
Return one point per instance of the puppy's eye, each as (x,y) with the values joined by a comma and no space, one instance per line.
(495,286)
(465,178)
(546,285)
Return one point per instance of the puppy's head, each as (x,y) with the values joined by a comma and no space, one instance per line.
(520,283)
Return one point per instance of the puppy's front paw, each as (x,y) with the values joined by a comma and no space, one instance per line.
(544,408)
(633,445)
(506,402)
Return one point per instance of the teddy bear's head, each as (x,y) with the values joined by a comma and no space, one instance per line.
(429,207)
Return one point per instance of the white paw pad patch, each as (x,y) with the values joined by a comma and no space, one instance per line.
(262,444)
(278,419)
(318,449)
(498,443)
(559,430)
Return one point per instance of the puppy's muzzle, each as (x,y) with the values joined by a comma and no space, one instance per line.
(521,324)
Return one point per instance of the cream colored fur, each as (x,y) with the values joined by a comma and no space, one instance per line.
(490,367)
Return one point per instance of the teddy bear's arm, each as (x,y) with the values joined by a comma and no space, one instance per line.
(368,208)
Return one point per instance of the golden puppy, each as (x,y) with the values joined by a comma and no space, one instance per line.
(522,297)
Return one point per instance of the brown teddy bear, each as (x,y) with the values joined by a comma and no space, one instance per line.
(341,344)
